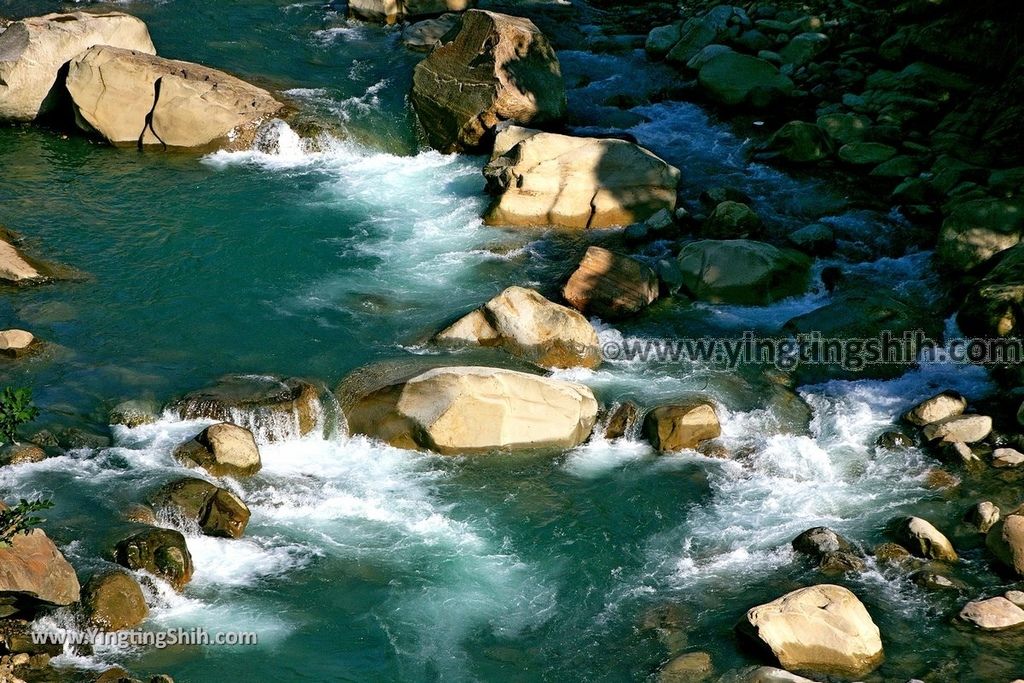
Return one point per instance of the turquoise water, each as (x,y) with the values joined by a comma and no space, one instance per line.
(363,562)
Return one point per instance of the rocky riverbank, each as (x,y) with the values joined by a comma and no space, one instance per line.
(863,102)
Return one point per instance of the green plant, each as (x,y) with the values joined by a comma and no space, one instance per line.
(20,518)
(16,409)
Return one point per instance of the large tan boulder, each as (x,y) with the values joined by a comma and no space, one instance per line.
(822,629)
(546,179)
(456,410)
(222,449)
(216,511)
(113,601)
(33,572)
(497,68)
(924,540)
(994,614)
(392,11)
(939,407)
(272,408)
(1006,541)
(134,98)
(962,428)
(742,271)
(529,326)
(33,51)
(161,552)
(610,285)
(683,426)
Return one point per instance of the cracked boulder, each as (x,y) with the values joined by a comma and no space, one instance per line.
(545,179)
(33,51)
(497,68)
(132,98)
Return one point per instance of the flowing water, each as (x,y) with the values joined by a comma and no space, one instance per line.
(364,562)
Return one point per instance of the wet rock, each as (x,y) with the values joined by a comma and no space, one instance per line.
(216,511)
(822,628)
(75,437)
(804,48)
(134,413)
(392,11)
(742,271)
(17,343)
(15,268)
(464,410)
(800,142)
(940,407)
(497,68)
(529,326)
(892,553)
(818,541)
(713,196)
(866,153)
(924,540)
(622,421)
(841,563)
(1007,457)
(934,581)
(939,479)
(20,453)
(682,426)
(222,450)
(983,516)
(964,428)
(733,79)
(661,39)
(994,614)
(691,667)
(133,98)
(161,552)
(845,128)
(816,239)
(732,220)
(957,453)
(270,407)
(35,49)
(140,514)
(977,230)
(610,285)
(425,35)
(893,440)
(1005,540)
(113,601)
(699,32)
(34,573)
(546,179)
(992,307)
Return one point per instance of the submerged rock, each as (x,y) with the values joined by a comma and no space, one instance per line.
(272,408)
(465,410)
(222,449)
(924,540)
(35,49)
(19,453)
(161,552)
(610,285)
(681,426)
(545,179)
(134,413)
(823,628)
(113,601)
(742,271)
(497,68)
(133,98)
(691,667)
(34,573)
(529,326)
(217,511)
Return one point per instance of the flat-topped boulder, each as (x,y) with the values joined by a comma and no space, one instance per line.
(529,326)
(34,573)
(742,271)
(139,99)
(272,408)
(222,449)
(822,629)
(465,410)
(610,285)
(215,510)
(994,614)
(497,68)
(33,51)
(393,11)
(939,407)
(546,179)
(959,428)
